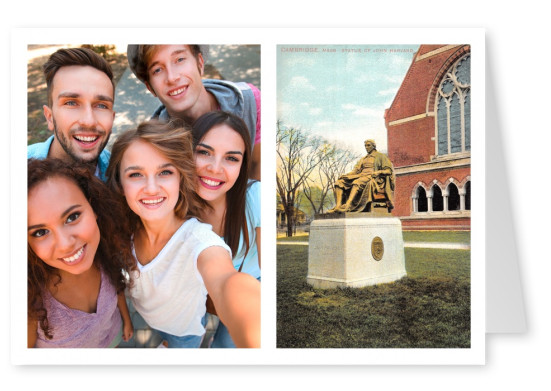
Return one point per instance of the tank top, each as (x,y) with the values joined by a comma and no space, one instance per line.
(78,329)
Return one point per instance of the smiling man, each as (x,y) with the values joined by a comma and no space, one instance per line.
(80,109)
(174,74)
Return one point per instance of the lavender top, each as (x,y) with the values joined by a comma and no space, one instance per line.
(78,329)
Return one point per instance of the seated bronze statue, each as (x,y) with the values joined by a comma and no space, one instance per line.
(370,184)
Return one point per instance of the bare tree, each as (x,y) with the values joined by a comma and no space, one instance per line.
(335,162)
(298,153)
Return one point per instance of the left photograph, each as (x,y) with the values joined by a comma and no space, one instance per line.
(143,196)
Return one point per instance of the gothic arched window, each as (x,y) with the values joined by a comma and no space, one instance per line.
(437,199)
(453,197)
(453,109)
(468,195)
(422,205)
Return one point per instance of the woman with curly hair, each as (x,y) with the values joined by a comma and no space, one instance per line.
(78,259)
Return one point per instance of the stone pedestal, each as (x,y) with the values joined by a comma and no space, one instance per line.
(355,251)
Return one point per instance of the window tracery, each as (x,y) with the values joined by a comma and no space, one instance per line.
(453,109)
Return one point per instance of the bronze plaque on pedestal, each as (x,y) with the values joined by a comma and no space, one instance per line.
(377,248)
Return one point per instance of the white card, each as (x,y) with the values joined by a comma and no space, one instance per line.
(269,39)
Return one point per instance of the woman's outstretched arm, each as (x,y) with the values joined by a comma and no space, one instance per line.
(236,296)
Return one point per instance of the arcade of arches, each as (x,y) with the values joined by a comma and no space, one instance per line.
(435,199)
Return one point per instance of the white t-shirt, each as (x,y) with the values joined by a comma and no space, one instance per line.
(169,293)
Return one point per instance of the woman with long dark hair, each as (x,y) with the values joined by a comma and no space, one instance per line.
(222,158)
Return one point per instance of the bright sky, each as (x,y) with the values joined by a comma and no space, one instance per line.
(340,91)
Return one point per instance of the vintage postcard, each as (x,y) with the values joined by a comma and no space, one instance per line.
(374,196)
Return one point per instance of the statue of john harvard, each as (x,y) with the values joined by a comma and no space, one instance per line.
(370,184)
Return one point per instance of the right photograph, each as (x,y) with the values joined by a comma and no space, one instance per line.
(373,149)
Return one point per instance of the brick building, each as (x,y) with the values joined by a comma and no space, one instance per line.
(428,128)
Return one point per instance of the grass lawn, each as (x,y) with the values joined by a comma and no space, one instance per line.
(301,238)
(438,236)
(430,308)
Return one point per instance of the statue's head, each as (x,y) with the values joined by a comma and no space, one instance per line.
(370,145)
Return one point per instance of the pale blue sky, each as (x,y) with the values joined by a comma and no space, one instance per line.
(340,91)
